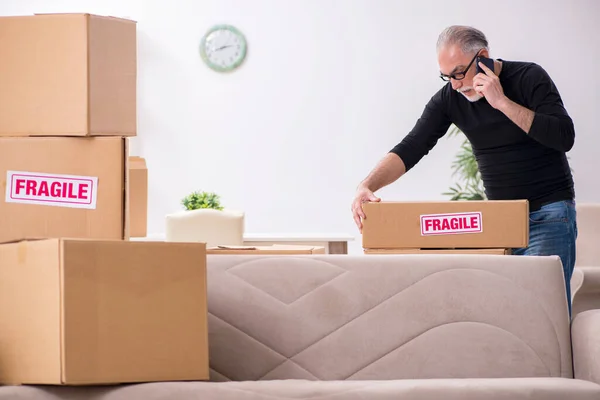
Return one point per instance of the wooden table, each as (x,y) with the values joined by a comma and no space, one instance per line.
(333,243)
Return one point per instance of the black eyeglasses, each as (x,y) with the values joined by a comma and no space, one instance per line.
(459,75)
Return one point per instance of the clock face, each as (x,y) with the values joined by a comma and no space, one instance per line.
(223,48)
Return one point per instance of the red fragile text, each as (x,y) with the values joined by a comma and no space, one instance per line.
(39,188)
(53,189)
(450,223)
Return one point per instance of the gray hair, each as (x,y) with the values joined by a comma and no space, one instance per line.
(468,38)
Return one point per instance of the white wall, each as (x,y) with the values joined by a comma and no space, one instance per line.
(328,87)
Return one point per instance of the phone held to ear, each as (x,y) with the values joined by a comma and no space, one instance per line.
(488,62)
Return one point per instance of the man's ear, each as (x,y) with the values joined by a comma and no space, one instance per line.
(484,53)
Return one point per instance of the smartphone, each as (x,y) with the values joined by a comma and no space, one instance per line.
(488,62)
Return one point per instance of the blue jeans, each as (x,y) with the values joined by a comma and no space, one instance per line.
(553,231)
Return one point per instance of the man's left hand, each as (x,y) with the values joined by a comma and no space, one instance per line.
(488,85)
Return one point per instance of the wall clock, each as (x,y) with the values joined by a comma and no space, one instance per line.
(223,48)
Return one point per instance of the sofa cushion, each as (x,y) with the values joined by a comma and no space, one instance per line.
(424,389)
(329,317)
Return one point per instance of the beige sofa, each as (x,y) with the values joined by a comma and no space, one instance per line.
(585,284)
(340,327)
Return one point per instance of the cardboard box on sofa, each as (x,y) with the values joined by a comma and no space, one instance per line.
(438,251)
(67,75)
(446,224)
(272,249)
(138,197)
(63,187)
(82,312)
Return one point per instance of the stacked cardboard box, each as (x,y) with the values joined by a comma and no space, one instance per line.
(476,227)
(81,303)
(137,188)
(68,104)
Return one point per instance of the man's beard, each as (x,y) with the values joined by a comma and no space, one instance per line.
(473,95)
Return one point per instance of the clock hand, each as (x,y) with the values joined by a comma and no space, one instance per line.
(224,47)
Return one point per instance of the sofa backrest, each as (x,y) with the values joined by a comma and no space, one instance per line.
(336,317)
(588,224)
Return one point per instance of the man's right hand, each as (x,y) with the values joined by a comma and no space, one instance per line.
(363,195)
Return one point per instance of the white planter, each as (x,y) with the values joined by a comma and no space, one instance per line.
(213,227)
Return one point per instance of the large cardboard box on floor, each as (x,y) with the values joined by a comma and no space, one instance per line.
(446,224)
(138,197)
(63,187)
(85,312)
(67,75)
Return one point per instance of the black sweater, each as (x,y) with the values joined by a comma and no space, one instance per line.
(513,164)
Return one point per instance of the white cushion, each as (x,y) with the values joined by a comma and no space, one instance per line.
(214,227)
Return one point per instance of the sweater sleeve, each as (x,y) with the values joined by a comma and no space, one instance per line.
(552,126)
(429,128)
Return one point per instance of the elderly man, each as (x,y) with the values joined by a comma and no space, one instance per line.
(519,130)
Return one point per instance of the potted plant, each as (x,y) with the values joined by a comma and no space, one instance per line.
(199,200)
(205,219)
(470,185)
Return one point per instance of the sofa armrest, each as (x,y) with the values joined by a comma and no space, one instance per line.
(585,288)
(585,332)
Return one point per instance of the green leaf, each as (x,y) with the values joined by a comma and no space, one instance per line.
(465,169)
(198,200)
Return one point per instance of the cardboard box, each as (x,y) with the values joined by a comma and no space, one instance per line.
(84,312)
(63,187)
(67,75)
(438,251)
(446,224)
(273,249)
(138,197)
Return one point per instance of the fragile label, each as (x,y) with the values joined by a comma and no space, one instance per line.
(51,189)
(449,224)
